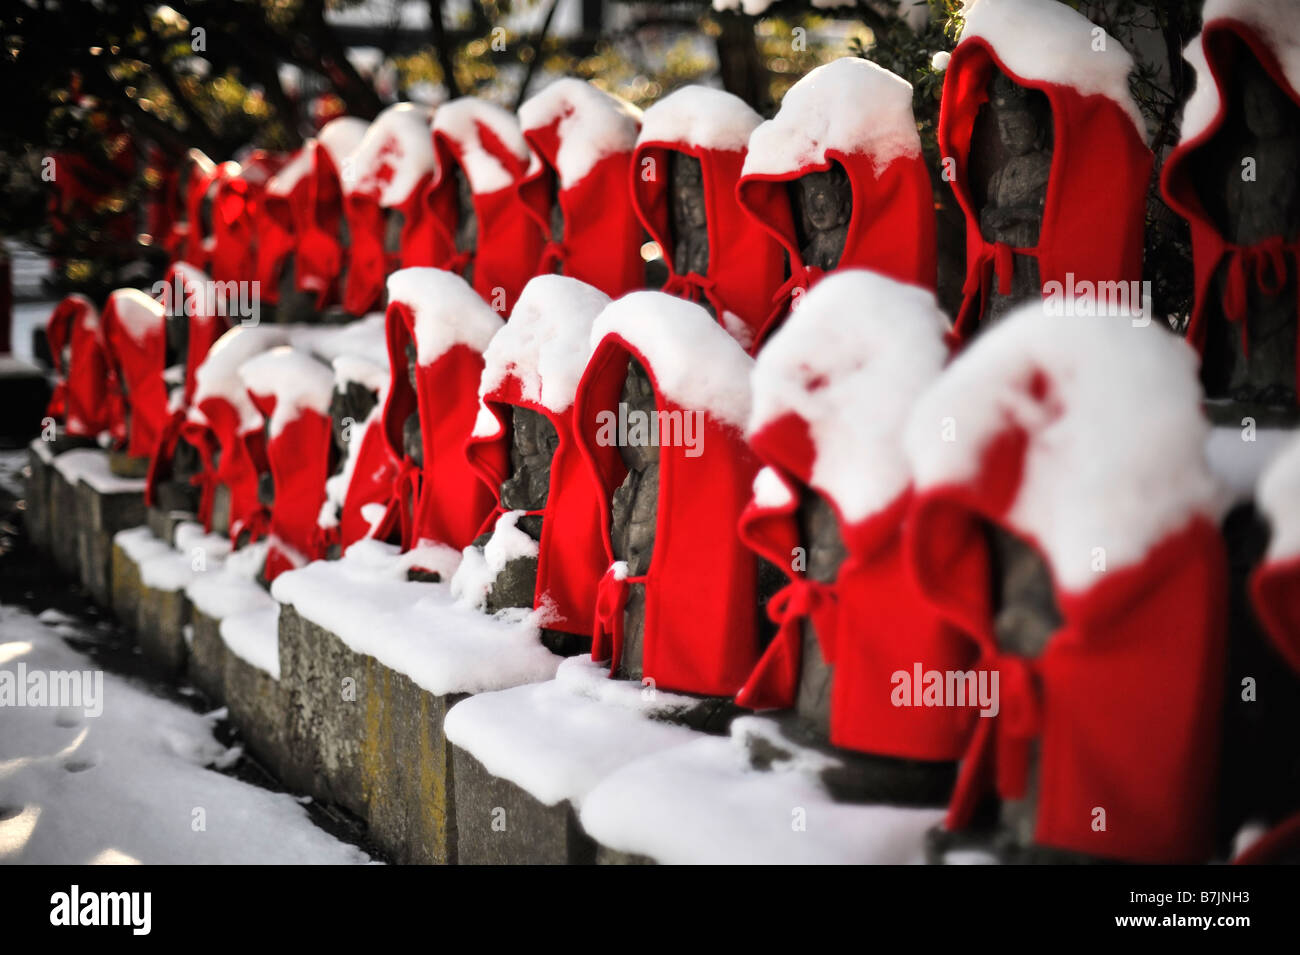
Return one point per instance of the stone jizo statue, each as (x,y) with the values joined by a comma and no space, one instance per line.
(823,206)
(688,224)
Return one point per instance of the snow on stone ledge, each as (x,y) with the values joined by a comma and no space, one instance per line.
(297,381)
(546,342)
(857,341)
(1116,438)
(231,588)
(812,120)
(415,628)
(557,740)
(91,465)
(701,117)
(693,360)
(448,312)
(703,803)
(1047,42)
(463,120)
(254,637)
(393,156)
(1279,501)
(592,125)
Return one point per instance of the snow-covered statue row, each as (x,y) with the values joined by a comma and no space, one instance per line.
(1096,602)
(1036,124)
(544,549)
(688,160)
(829,508)
(842,188)
(1233,176)
(302,258)
(384,184)
(658,415)
(477,225)
(437,330)
(582,140)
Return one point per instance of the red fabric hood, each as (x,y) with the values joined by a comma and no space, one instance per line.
(892,196)
(1125,700)
(745,261)
(88,396)
(1097,151)
(701,616)
(1265,264)
(136,335)
(486,143)
(601,243)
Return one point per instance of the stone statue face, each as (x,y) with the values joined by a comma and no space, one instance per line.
(266,480)
(557,213)
(412,440)
(823,206)
(1264,107)
(1020,115)
(533,441)
(1024,598)
(688,222)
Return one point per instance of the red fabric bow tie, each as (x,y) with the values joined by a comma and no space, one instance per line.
(1018,722)
(554,254)
(693,286)
(995,258)
(1265,263)
(805,598)
(802,278)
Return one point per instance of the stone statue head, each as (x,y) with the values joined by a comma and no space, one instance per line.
(1265,108)
(176,325)
(466,216)
(349,407)
(1024,116)
(412,439)
(823,206)
(394,222)
(533,441)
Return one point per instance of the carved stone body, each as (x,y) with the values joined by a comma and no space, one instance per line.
(1011,163)
(689,224)
(466,220)
(823,206)
(1251,192)
(634,513)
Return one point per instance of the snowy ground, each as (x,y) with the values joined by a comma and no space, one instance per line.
(137,783)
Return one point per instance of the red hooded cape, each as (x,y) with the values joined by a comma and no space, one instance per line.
(878,345)
(1099,147)
(1266,264)
(285,191)
(701,631)
(87,397)
(393,167)
(318,211)
(443,502)
(535,362)
(237,217)
(485,142)
(582,140)
(134,326)
(293,389)
(880,151)
(1124,700)
(187,291)
(745,262)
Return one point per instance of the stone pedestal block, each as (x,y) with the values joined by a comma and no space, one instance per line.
(206,664)
(367,738)
(63,524)
(36,494)
(258,705)
(102,514)
(160,630)
(498,823)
